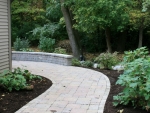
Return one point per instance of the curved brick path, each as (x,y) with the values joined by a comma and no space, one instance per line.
(74,89)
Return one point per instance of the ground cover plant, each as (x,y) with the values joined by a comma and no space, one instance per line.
(19,87)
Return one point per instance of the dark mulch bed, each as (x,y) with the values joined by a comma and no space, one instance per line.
(12,101)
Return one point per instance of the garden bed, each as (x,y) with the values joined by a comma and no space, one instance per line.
(114,90)
(10,102)
(55,58)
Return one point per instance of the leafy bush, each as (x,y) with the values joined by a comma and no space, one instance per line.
(135,79)
(136,83)
(12,81)
(130,56)
(48,30)
(27,75)
(76,62)
(46,44)
(107,60)
(20,44)
(87,64)
(16,80)
(60,50)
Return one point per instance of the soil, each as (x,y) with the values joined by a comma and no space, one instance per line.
(12,101)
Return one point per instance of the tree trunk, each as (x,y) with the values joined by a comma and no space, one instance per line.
(140,37)
(122,41)
(74,41)
(108,38)
(141,33)
(75,32)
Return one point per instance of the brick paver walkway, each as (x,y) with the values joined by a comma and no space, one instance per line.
(74,89)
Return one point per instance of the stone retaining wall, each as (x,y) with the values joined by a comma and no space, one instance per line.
(61,59)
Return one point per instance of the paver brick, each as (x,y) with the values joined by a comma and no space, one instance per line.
(74,89)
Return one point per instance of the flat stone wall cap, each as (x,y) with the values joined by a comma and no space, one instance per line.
(21,52)
(44,53)
(27,52)
(63,55)
(59,55)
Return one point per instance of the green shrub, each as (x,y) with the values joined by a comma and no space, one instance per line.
(60,50)
(46,44)
(16,80)
(135,79)
(21,43)
(87,64)
(27,75)
(107,60)
(12,81)
(130,56)
(76,62)
(136,83)
(48,30)
(65,44)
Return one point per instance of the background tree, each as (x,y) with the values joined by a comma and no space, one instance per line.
(139,20)
(103,14)
(52,27)
(95,25)
(146,5)
(72,33)
(26,15)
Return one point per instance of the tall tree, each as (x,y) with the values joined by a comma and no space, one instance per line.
(72,33)
(106,14)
